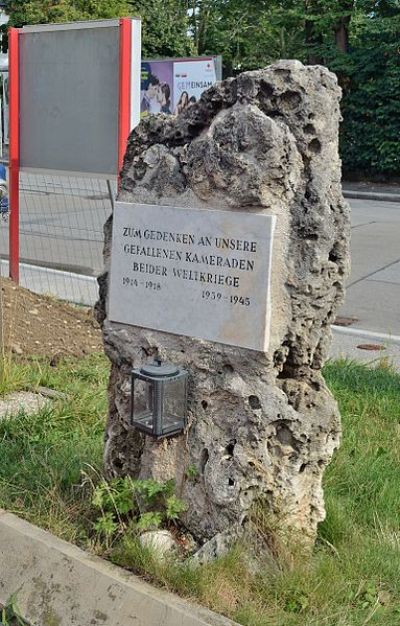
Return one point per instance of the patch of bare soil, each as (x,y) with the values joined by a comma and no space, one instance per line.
(31,324)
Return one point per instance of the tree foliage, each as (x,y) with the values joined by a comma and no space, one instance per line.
(358,39)
(249,35)
(47,11)
(165,26)
(165,23)
(370,73)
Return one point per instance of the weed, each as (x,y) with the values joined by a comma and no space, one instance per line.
(137,505)
(191,472)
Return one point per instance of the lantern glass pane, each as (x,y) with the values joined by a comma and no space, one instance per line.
(143,402)
(174,404)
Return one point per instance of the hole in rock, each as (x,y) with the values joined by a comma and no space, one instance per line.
(305,234)
(266,89)
(292,98)
(254,402)
(333,255)
(274,114)
(231,482)
(282,72)
(315,146)
(302,468)
(285,437)
(244,521)
(228,369)
(204,404)
(203,460)
(194,127)
(230,447)
(309,129)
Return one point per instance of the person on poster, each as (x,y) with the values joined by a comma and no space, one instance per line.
(151,97)
(4,204)
(183,103)
(165,98)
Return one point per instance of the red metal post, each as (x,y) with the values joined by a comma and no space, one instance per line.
(125,59)
(14,153)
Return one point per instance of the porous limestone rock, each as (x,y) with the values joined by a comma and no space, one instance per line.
(262,426)
(160,542)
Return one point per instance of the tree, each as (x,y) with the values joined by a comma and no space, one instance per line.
(342,24)
(371,107)
(326,26)
(165,26)
(248,35)
(165,22)
(46,11)
(357,39)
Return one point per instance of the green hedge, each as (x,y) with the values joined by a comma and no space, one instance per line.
(370,73)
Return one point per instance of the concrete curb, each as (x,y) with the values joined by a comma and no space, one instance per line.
(57,584)
(371,195)
(367,334)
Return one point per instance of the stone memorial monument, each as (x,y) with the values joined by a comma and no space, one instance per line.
(229,254)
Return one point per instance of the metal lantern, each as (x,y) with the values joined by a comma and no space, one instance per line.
(159,399)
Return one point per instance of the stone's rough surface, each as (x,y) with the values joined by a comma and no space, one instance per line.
(263,426)
(161,542)
(25,402)
(213,548)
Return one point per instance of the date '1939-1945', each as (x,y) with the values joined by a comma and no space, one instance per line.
(218,296)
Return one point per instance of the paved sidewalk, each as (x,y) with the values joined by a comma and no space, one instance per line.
(373,290)
(372,191)
(68,286)
(371,349)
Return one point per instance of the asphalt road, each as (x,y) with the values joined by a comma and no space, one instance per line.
(373,290)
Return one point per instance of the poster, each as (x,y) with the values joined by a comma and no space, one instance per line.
(191,78)
(170,86)
(156,87)
(5,107)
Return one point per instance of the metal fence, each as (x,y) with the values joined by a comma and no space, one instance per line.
(61,235)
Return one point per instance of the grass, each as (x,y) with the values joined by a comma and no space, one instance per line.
(43,455)
(351,579)
(10,615)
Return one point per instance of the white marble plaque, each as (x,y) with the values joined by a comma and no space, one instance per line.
(196,272)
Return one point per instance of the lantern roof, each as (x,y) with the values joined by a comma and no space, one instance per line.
(158,369)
